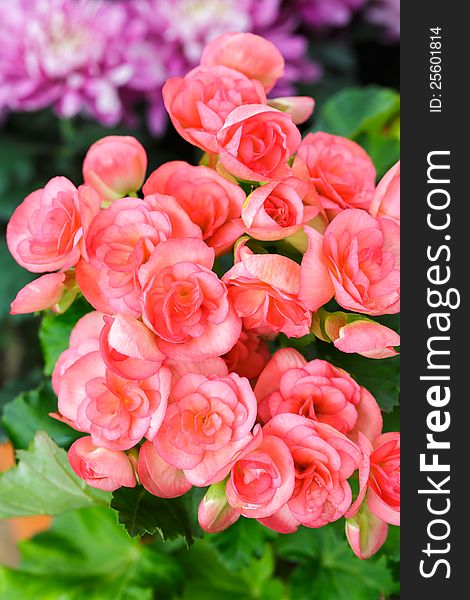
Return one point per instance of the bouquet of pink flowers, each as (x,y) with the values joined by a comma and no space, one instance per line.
(176,377)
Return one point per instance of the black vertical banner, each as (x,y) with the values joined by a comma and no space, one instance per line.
(435,398)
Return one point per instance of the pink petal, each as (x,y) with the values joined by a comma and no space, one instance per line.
(157,476)
(175,251)
(386,200)
(215,341)
(364,472)
(369,418)
(276,270)
(382,510)
(316,287)
(282,521)
(129,348)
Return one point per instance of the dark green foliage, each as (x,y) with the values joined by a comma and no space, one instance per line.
(29,413)
(140,512)
(55,331)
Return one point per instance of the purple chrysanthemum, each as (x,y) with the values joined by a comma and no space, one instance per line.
(328,13)
(69,54)
(386,15)
(100,57)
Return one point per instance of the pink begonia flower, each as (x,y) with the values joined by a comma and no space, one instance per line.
(316,390)
(116,412)
(365,533)
(84,338)
(357,261)
(386,200)
(249,356)
(211,202)
(115,166)
(380,483)
(44,292)
(214,513)
(264,290)
(263,480)
(129,348)
(199,103)
(279,209)
(324,459)
(207,424)
(342,172)
(121,238)
(300,108)
(256,143)
(100,467)
(185,303)
(250,54)
(46,230)
(157,476)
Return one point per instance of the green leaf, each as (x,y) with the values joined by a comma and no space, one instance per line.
(259,576)
(207,578)
(13,388)
(29,413)
(55,331)
(382,148)
(141,512)
(356,110)
(328,569)
(392,420)
(242,542)
(391,548)
(87,556)
(380,377)
(44,484)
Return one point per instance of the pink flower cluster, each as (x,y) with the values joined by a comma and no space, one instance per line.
(171,377)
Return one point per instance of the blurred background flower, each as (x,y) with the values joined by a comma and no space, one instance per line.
(100,58)
(103,58)
(334,13)
(386,15)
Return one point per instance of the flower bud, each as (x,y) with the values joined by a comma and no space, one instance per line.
(300,108)
(115,167)
(353,333)
(215,513)
(366,533)
(252,55)
(101,468)
(55,291)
